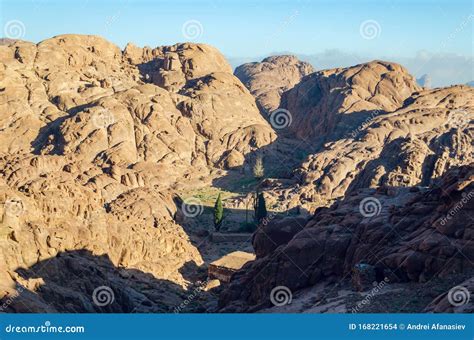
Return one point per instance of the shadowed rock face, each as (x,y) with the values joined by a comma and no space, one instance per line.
(371,125)
(413,145)
(78,281)
(268,79)
(327,104)
(457,300)
(408,234)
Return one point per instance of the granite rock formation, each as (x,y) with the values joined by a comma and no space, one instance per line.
(408,234)
(94,139)
(96,145)
(268,79)
(371,125)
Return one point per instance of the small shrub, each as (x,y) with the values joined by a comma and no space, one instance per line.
(258,169)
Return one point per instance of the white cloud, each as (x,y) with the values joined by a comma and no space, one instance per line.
(444,68)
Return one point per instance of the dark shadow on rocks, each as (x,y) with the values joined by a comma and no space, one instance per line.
(235,235)
(52,129)
(149,71)
(80,282)
(410,235)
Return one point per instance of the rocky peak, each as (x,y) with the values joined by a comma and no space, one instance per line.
(171,67)
(268,79)
(330,102)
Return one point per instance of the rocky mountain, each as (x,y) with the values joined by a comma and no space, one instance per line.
(412,145)
(268,79)
(390,161)
(407,234)
(371,125)
(108,158)
(93,141)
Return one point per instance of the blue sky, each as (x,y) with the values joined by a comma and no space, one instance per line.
(254,29)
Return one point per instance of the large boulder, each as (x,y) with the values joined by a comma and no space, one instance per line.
(273,233)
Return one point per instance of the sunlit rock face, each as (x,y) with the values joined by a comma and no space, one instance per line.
(94,138)
(268,79)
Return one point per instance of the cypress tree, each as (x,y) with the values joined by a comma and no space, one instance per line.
(261,209)
(218,213)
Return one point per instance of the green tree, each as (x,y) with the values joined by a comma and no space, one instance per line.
(218,213)
(260,208)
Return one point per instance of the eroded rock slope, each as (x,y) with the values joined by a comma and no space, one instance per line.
(371,125)
(406,234)
(92,142)
(269,79)
(392,163)
(95,142)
